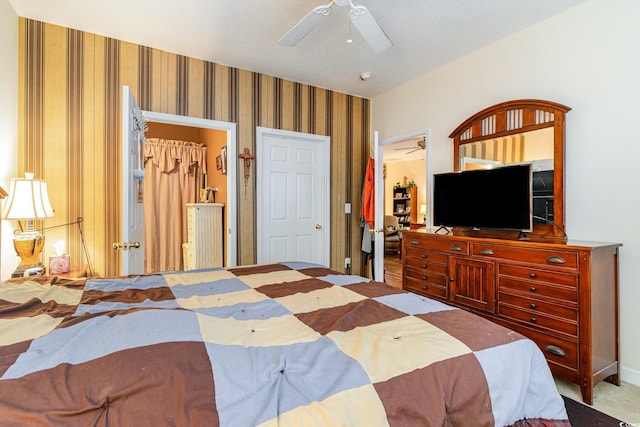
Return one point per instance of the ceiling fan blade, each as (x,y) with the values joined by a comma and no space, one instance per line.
(366,24)
(305,25)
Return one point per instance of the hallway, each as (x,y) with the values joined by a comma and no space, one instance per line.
(393,270)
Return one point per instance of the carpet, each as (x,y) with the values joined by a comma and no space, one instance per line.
(584,416)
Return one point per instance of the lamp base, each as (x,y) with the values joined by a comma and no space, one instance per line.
(28,246)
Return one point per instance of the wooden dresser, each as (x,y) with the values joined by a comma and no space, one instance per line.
(204,248)
(562,296)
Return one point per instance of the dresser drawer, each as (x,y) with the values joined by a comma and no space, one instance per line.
(538,319)
(421,254)
(535,275)
(452,246)
(427,285)
(567,312)
(555,350)
(538,289)
(427,276)
(547,257)
(423,265)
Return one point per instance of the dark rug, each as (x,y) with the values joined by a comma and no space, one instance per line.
(584,416)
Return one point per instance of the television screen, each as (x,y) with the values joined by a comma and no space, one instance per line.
(498,198)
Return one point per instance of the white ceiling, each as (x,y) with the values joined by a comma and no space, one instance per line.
(426,34)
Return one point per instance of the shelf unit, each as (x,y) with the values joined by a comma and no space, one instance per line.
(405,205)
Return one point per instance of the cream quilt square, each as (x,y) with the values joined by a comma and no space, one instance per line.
(274,331)
(25,328)
(23,292)
(392,348)
(246,296)
(337,410)
(333,296)
(192,278)
(261,279)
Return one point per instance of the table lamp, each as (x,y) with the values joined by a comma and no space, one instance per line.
(28,201)
(423,212)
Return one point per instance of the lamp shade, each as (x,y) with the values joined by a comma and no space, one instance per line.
(28,200)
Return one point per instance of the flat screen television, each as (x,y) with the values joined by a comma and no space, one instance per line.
(498,198)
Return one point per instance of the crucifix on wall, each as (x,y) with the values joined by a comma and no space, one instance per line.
(247,156)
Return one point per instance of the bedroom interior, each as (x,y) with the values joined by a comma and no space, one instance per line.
(71,95)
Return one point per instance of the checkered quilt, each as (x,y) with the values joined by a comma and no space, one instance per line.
(291,344)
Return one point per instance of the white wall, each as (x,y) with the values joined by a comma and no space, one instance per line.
(8,125)
(586,58)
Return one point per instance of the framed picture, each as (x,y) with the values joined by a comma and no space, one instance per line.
(219,162)
(223,160)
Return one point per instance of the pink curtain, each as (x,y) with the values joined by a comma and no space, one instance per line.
(174,174)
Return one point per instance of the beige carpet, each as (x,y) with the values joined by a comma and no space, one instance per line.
(621,402)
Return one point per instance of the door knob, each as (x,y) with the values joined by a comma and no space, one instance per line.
(318,226)
(376,230)
(126,245)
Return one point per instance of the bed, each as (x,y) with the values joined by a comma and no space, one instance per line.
(286,344)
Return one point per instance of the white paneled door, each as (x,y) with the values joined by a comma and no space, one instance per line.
(293,197)
(132,167)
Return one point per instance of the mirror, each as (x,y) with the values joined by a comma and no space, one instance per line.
(535,147)
(525,131)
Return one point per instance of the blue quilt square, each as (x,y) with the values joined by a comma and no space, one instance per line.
(278,379)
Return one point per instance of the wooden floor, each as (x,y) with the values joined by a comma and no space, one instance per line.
(393,270)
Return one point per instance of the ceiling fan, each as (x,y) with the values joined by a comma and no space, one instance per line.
(421,144)
(360,16)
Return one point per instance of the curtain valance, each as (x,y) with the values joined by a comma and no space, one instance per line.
(168,155)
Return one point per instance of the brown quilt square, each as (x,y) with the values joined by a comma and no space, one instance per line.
(349,316)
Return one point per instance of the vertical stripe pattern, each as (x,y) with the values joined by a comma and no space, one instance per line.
(92,74)
(112,152)
(74,131)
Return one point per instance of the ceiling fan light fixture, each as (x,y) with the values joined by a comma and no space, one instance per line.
(360,16)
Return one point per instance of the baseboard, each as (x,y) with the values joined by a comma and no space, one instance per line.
(631,376)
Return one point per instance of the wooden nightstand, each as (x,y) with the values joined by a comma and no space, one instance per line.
(75,272)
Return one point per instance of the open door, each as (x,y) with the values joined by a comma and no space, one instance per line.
(378,228)
(379,191)
(132,173)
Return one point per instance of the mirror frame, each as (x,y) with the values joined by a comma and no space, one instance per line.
(514,117)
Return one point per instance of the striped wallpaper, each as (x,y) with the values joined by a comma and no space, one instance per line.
(69,131)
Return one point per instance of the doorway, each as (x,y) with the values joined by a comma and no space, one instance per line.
(168,126)
(403,192)
(293,197)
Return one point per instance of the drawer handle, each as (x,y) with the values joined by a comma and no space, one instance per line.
(555,350)
(414,242)
(556,260)
(532,306)
(455,248)
(424,265)
(424,288)
(424,277)
(533,275)
(533,320)
(423,256)
(486,251)
(533,289)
